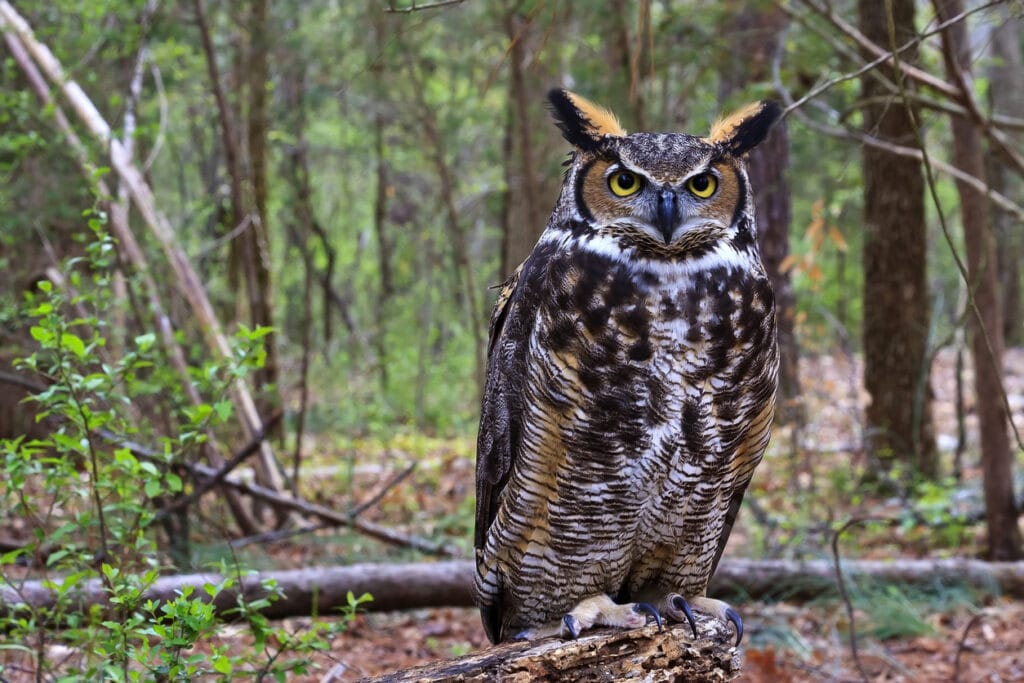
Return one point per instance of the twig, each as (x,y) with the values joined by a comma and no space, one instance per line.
(222,471)
(391,9)
(961,646)
(375,498)
(842,588)
(277,535)
(900,150)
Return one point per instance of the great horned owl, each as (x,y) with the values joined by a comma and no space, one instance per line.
(631,380)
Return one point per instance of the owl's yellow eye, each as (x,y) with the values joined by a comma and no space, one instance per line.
(703,185)
(624,183)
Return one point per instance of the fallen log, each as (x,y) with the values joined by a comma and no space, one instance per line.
(324,590)
(643,654)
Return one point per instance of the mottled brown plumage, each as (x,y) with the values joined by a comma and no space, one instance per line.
(630,384)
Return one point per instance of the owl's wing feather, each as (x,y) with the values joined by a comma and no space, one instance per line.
(750,451)
(495,446)
(496,442)
(730,519)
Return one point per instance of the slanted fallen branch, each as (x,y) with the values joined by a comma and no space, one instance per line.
(645,654)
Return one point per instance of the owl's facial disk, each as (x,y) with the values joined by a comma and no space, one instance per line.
(623,198)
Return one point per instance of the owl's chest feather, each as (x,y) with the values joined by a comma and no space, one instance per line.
(635,342)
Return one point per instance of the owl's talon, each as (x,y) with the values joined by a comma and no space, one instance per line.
(680,605)
(734,616)
(649,609)
(571,626)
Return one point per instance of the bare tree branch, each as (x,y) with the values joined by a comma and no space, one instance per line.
(391,9)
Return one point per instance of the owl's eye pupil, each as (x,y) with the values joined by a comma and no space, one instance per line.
(700,183)
(626,180)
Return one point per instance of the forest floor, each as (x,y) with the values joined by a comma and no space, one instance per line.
(807,488)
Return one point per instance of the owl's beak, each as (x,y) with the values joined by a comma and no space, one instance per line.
(667,214)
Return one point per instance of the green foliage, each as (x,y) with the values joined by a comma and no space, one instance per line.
(91,503)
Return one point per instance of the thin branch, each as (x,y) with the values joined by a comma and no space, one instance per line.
(962,645)
(161,131)
(853,135)
(237,459)
(841,582)
(391,9)
(961,93)
(375,498)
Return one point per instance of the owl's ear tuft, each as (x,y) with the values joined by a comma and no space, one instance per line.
(745,128)
(583,123)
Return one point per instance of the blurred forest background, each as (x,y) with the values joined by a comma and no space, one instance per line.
(247,258)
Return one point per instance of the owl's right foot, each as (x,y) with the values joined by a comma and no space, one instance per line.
(679,610)
(598,610)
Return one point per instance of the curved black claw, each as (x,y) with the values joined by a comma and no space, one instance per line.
(649,609)
(572,625)
(679,602)
(733,616)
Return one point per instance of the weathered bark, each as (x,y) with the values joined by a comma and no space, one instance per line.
(642,654)
(761,28)
(449,584)
(1004,535)
(896,310)
(1006,94)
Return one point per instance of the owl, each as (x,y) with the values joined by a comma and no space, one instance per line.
(630,387)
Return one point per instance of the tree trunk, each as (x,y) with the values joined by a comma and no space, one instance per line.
(644,654)
(985,316)
(382,312)
(258,233)
(896,310)
(1006,93)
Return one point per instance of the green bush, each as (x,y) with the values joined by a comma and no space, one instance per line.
(91,505)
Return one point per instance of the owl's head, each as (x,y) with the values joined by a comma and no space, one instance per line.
(661,193)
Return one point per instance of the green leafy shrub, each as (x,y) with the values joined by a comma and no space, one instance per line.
(89,504)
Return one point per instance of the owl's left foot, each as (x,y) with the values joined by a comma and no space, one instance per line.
(679,609)
(597,610)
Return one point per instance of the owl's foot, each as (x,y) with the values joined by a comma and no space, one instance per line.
(598,610)
(679,610)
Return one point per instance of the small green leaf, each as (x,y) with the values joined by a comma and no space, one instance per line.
(41,334)
(152,488)
(73,343)
(145,341)
(222,664)
(223,409)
